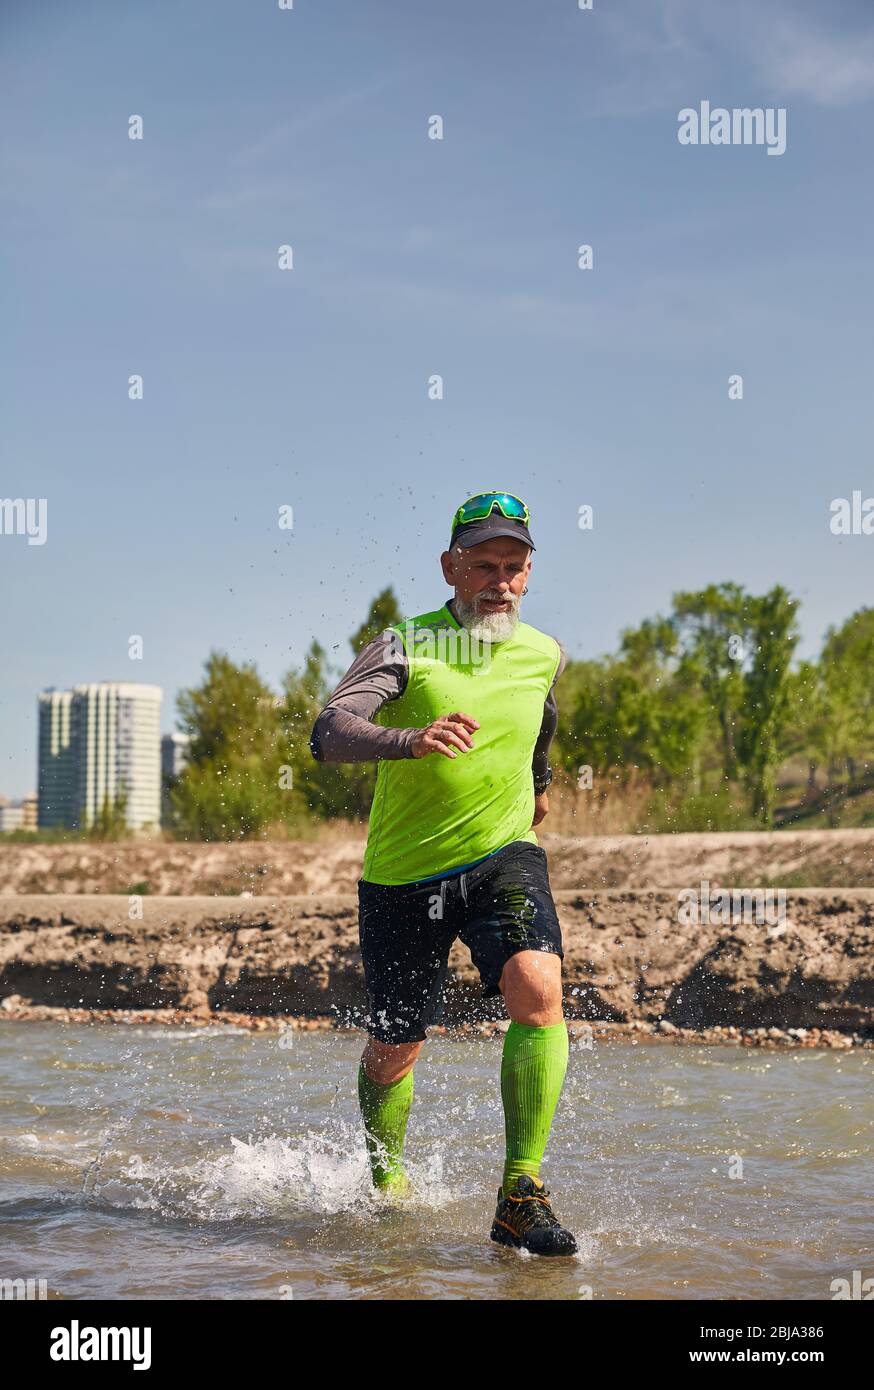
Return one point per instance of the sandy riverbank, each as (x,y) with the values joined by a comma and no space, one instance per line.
(627,961)
(13,1007)
(331,863)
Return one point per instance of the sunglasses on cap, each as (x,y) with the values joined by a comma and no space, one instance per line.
(478,507)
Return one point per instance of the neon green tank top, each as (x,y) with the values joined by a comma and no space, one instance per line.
(432,814)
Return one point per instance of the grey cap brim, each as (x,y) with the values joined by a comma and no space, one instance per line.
(474,532)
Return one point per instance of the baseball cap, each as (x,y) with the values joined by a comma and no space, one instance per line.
(490,519)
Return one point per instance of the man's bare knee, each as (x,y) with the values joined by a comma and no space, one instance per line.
(387,1062)
(531,986)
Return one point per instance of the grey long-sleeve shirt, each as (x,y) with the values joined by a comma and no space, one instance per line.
(344,731)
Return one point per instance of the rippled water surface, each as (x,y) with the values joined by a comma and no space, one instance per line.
(176,1163)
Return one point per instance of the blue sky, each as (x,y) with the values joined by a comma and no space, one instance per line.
(308,388)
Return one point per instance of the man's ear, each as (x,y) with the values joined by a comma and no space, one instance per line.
(447,564)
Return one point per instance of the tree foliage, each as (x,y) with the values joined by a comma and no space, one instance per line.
(703,706)
(250,769)
(705,701)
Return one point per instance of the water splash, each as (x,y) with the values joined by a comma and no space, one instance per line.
(273,1176)
(108,1141)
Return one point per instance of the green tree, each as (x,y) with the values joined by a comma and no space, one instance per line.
(766,707)
(325,787)
(846,664)
(384,611)
(110,823)
(330,789)
(639,712)
(711,624)
(805,718)
(235,784)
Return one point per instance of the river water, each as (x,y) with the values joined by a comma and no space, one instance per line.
(164,1162)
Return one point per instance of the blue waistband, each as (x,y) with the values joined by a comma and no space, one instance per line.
(449,873)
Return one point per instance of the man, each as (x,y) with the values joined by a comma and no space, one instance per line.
(457,707)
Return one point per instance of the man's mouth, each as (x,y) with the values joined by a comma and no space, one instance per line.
(495,605)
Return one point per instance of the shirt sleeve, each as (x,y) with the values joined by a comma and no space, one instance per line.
(344,731)
(540,760)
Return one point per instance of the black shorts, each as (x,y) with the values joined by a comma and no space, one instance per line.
(497,908)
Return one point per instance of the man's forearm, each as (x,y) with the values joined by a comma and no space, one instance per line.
(540,761)
(549,724)
(344,731)
(341,737)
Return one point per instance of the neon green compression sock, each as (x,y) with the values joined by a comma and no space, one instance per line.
(385,1111)
(533,1067)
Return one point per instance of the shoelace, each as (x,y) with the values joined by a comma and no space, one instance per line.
(533,1211)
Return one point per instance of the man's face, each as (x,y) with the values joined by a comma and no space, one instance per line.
(488,578)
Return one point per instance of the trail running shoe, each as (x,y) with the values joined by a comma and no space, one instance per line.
(525,1218)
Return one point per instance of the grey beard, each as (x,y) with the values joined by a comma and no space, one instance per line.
(488,627)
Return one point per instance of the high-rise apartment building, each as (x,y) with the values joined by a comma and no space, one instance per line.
(174,756)
(113,740)
(11,816)
(56,770)
(18,815)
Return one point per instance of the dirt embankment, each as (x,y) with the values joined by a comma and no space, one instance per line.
(628,959)
(331,863)
(269,932)
(782,859)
